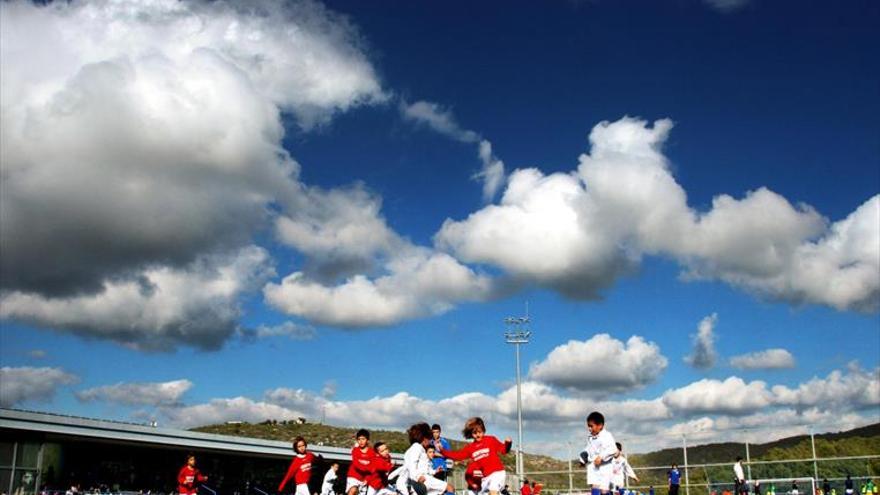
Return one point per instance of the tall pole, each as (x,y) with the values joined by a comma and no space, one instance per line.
(815,464)
(570,472)
(748,462)
(518,333)
(687,481)
(519,440)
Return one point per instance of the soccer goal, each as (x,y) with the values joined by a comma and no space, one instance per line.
(783,486)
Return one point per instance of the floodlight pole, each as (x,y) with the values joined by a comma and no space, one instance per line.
(518,333)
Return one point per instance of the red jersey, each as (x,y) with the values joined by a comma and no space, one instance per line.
(300,470)
(361,463)
(187,479)
(473,477)
(484,453)
(525,490)
(378,478)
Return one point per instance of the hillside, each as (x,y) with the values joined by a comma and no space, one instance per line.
(861,441)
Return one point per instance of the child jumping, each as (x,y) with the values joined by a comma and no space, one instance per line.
(485,451)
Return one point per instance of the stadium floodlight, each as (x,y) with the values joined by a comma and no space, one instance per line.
(518,333)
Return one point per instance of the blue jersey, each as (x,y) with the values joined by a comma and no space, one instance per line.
(439,461)
(674,477)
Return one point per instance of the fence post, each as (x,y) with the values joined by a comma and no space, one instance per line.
(748,462)
(815,464)
(686,478)
(570,472)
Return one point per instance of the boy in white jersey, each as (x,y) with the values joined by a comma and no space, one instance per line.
(598,453)
(621,470)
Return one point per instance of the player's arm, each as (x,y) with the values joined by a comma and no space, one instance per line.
(291,471)
(455,455)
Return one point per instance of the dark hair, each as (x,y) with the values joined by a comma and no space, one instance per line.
(362,433)
(418,432)
(596,417)
(377,445)
(435,426)
(430,447)
(618,445)
(738,458)
(298,440)
(471,424)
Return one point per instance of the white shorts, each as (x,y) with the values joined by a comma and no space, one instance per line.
(350,482)
(494,482)
(434,485)
(302,489)
(381,491)
(599,476)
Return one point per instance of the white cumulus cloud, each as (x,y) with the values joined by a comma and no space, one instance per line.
(417,282)
(141,138)
(769,359)
(149,394)
(579,232)
(163,308)
(601,365)
(703,355)
(731,396)
(19,385)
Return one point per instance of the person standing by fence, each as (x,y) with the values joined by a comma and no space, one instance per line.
(739,478)
(674,479)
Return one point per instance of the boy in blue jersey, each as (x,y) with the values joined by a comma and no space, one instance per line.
(674,478)
(439,462)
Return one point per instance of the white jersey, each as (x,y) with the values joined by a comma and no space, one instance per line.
(327,484)
(601,446)
(620,470)
(738,472)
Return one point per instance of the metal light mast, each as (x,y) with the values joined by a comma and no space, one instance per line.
(518,333)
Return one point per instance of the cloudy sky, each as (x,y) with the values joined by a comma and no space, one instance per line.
(238,211)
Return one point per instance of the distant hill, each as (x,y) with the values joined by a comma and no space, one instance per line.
(860,441)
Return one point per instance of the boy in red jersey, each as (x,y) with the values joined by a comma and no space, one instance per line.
(189,476)
(377,480)
(361,463)
(485,451)
(300,467)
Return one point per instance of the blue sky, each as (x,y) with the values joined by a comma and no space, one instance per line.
(213,212)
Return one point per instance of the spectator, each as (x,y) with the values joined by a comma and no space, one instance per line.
(739,478)
(439,461)
(674,479)
(526,487)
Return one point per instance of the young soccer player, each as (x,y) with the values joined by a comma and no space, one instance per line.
(439,461)
(329,477)
(437,470)
(189,477)
(486,451)
(621,470)
(300,468)
(377,480)
(416,465)
(598,453)
(361,463)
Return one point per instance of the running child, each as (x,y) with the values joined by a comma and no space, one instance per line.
(485,451)
(417,467)
(598,453)
(300,468)
(621,470)
(361,463)
(189,477)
